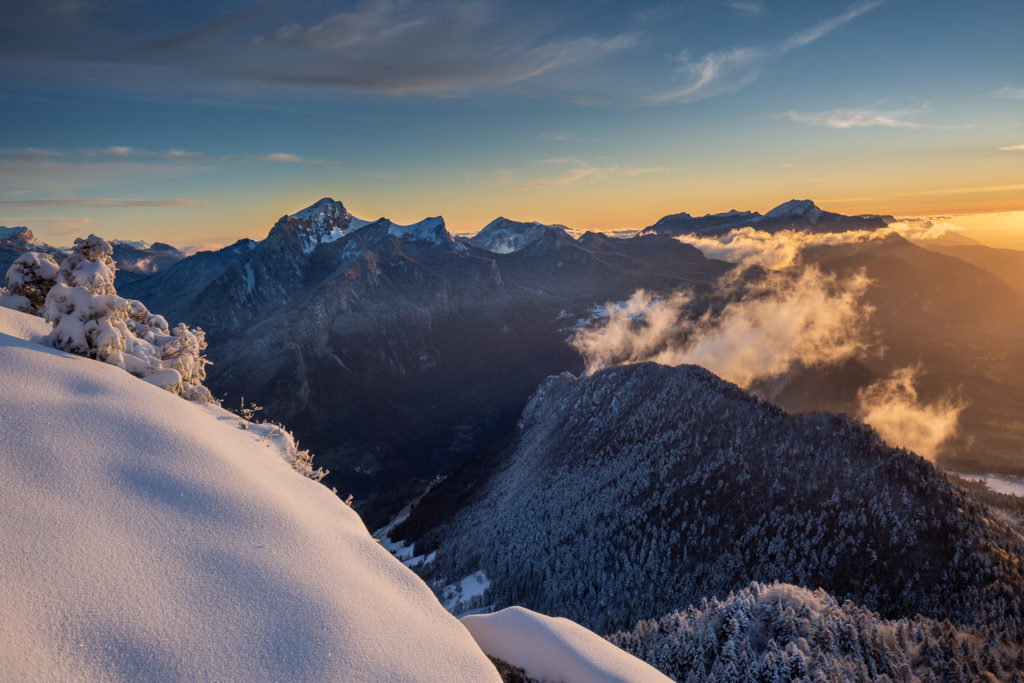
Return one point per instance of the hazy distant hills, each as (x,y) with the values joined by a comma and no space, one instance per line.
(960,322)
(640,490)
(1008,264)
(797,214)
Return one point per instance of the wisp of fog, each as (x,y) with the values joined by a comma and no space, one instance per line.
(784,319)
(892,406)
(749,246)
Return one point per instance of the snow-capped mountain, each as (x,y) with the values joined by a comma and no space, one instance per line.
(21,235)
(504,236)
(136,260)
(16,241)
(797,214)
(640,490)
(797,208)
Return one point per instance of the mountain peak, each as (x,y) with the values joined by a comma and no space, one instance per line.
(17,234)
(796,207)
(503,235)
(325,206)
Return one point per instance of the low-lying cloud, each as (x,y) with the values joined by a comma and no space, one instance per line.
(892,406)
(783,321)
(750,246)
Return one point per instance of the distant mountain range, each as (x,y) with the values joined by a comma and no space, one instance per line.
(398,352)
(134,259)
(797,214)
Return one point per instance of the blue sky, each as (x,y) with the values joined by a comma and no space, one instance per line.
(194,122)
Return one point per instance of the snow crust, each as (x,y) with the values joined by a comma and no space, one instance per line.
(146,537)
(555,649)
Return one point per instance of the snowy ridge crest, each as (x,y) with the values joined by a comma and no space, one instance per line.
(504,236)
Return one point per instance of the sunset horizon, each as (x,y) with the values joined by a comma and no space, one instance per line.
(207,123)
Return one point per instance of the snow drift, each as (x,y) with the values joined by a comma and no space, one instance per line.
(556,649)
(146,537)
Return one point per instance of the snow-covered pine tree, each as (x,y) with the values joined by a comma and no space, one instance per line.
(91,320)
(30,277)
(91,265)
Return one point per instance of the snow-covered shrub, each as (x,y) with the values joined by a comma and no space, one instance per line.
(30,277)
(90,319)
(91,265)
(88,324)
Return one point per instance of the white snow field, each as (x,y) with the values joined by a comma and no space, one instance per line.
(556,649)
(144,537)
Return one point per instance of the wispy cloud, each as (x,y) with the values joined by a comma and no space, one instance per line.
(435,47)
(748,7)
(103,203)
(1010,93)
(1012,148)
(869,118)
(726,71)
(399,46)
(856,118)
(120,153)
(577,169)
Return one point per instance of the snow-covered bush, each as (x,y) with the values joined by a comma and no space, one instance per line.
(90,319)
(91,265)
(30,278)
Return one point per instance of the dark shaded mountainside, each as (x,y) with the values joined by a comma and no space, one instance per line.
(641,490)
(397,352)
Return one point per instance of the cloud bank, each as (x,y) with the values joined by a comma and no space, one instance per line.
(893,407)
(769,328)
(752,247)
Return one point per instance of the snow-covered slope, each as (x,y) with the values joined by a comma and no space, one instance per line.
(556,649)
(146,537)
